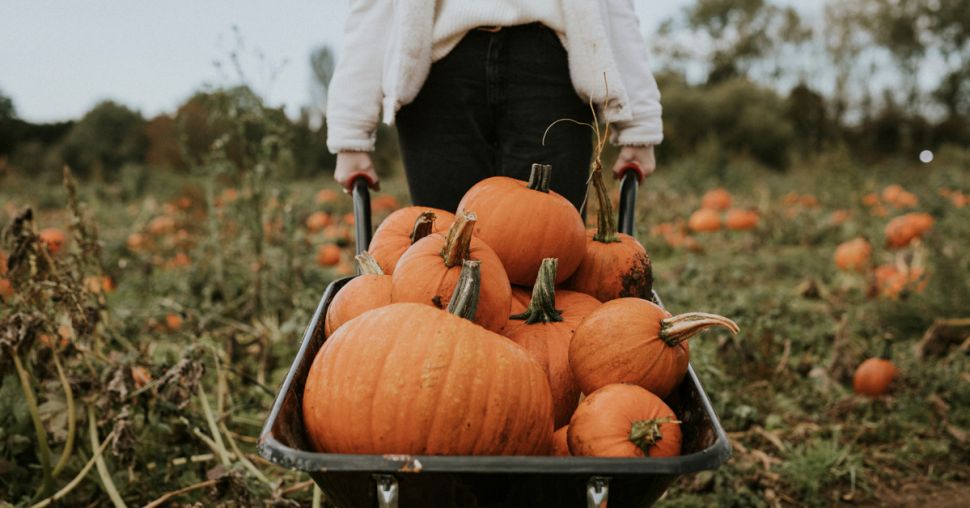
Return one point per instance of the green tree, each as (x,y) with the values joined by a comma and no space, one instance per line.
(107,137)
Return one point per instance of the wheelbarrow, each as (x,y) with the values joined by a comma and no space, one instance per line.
(391,481)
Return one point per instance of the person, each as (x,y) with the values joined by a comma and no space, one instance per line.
(475,85)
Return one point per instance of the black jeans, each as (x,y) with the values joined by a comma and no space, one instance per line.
(482,112)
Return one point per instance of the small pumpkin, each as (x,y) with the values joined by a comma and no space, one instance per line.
(560,442)
(704,220)
(370,290)
(54,239)
(408,378)
(317,221)
(428,271)
(6,289)
(525,222)
(853,255)
(545,329)
(328,255)
(324,196)
(173,322)
(616,264)
(902,230)
(741,220)
(891,281)
(874,376)
(717,199)
(402,228)
(630,340)
(622,420)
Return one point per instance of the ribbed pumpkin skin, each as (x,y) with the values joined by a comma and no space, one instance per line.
(548,343)
(393,236)
(525,226)
(422,277)
(560,442)
(411,379)
(620,343)
(520,300)
(602,422)
(360,295)
(613,270)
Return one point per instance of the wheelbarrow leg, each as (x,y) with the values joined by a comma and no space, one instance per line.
(387,494)
(597,492)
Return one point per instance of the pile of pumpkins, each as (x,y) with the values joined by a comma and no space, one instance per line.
(440,347)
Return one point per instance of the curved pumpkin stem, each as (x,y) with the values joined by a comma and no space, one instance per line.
(677,329)
(423,226)
(645,433)
(367,265)
(458,245)
(542,307)
(464,300)
(605,221)
(540,177)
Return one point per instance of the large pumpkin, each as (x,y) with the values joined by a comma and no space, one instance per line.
(902,230)
(545,329)
(629,340)
(428,271)
(622,420)
(615,264)
(412,379)
(525,223)
(370,290)
(401,229)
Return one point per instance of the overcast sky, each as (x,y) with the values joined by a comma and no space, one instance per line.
(59,58)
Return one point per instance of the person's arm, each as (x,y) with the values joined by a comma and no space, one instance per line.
(638,136)
(355,94)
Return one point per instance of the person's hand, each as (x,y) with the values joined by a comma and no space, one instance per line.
(351,165)
(637,158)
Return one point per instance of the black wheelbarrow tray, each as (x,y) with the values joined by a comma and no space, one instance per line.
(476,481)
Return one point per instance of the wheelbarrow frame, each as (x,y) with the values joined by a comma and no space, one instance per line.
(432,481)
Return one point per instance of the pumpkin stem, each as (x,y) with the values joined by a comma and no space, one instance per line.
(422,226)
(677,329)
(540,177)
(367,265)
(542,307)
(887,349)
(458,245)
(645,433)
(464,300)
(605,221)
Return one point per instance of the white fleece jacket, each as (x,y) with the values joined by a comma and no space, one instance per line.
(387,54)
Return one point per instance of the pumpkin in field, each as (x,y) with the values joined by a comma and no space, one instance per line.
(704,220)
(428,272)
(54,239)
(173,322)
(615,264)
(402,228)
(560,442)
(317,221)
(902,230)
(6,289)
(525,223)
(873,376)
(370,290)
(324,196)
(545,329)
(408,378)
(741,220)
(853,255)
(890,281)
(629,340)
(328,255)
(716,199)
(622,420)
(162,225)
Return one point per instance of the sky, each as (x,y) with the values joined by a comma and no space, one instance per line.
(60,58)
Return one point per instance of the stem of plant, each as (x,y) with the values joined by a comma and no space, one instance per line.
(60,494)
(542,307)
(213,427)
(605,221)
(44,450)
(71,418)
(103,471)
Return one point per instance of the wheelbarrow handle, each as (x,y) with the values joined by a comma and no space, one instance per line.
(362,215)
(628,199)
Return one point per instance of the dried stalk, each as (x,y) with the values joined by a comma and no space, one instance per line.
(103,473)
(71,418)
(60,494)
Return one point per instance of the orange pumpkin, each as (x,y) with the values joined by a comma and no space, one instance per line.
(874,375)
(408,378)
(902,230)
(317,221)
(717,199)
(545,329)
(54,239)
(3,263)
(853,255)
(402,228)
(6,289)
(615,264)
(324,196)
(622,420)
(162,225)
(370,290)
(428,271)
(173,322)
(704,220)
(560,442)
(629,340)
(839,217)
(741,220)
(890,281)
(328,255)
(525,223)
